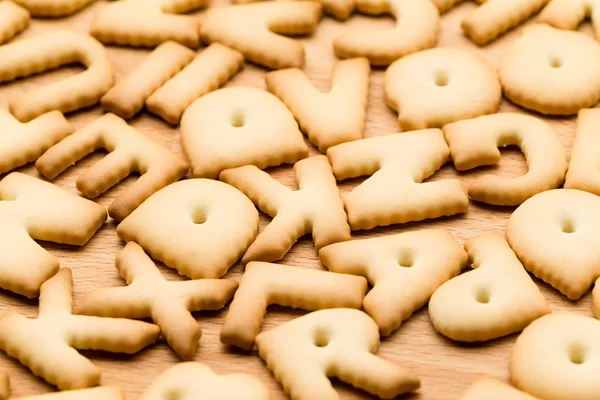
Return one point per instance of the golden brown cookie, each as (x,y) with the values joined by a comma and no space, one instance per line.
(13,20)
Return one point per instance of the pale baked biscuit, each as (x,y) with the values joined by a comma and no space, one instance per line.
(551,71)
(338,9)
(556,358)
(265,284)
(53,8)
(394,194)
(42,53)
(47,344)
(315,208)
(304,353)
(493,17)
(143,23)
(462,84)
(256,30)
(495,299)
(97,393)
(210,69)
(13,20)
(195,380)
(32,209)
(585,153)
(23,143)
(555,235)
(569,14)
(233,127)
(200,227)
(330,118)
(128,96)
(486,388)
(417,28)
(404,270)
(477,142)
(129,151)
(168,303)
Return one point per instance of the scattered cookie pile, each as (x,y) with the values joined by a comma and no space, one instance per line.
(447,101)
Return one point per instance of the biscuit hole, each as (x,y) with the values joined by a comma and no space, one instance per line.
(321,338)
(568,225)
(576,353)
(199,217)
(482,295)
(237,119)
(441,79)
(406,258)
(555,62)
(172,394)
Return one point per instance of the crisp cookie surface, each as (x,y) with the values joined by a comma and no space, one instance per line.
(394,194)
(147,23)
(495,299)
(256,30)
(130,151)
(34,55)
(338,9)
(315,208)
(47,344)
(23,143)
(556,358)
(417,28)
(149,295)
(569,14)
(128,96)
(233,127)
(210,69)
(32,209)
(551,71)
(486,388)
(195,380)
(330,118)
(404,270)
(13,20)
(462,84)
(199,227)
(555,235)
(265,284)
(304,353)
(584,154)
(97,393)
(53,8)
(477,142)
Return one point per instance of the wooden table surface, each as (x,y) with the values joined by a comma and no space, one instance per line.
(446,369)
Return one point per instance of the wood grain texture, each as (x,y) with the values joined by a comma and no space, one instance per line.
(446,369)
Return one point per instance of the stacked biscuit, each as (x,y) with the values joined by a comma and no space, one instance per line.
(447,100)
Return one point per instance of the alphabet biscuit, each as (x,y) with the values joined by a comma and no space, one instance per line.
(569,14)
(97,393)
(53,8)
(13,20)
(486,388)
(586,148)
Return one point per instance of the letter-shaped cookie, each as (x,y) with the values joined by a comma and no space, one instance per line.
(128,96)
(551,71)
(149,295)
(42,53)
(304,353)
(53,8)
(129,150)
(31,209)
(476,142)
(200,227)
(417,28)
(210,69)
(256,30)
(97,393)
(233,127)
(486,388)
(493,17)
(143,23)
(556,235)
(394,193)
(582,173)
(23,143)
(495,299)
(265,284)
(195,380)
(315,208)
(556,358)
(330,118)
(13,20)
(404,269)
(47,344)
(569,14)
(339,9)
(462,84)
